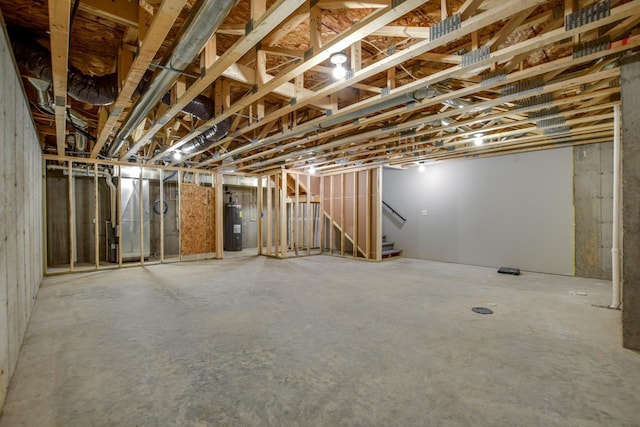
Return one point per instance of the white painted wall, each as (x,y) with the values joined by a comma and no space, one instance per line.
(21,265)
(514,210)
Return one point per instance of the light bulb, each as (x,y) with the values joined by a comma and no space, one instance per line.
(477,140)
(177,155)
(312,170)
(339,72)
(421,168)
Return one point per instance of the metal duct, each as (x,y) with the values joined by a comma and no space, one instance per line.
(198,30)
(415,96)
(76,120)
(208,137)
(201,107)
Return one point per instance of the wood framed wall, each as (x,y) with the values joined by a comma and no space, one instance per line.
(352,213)
(336,214)
(181,212)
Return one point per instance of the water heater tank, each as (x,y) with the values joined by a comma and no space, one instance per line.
(233,227)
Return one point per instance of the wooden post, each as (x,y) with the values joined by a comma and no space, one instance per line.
(321,214)
(119,203)
(355,214)
(269,215)
(309,217)
(45,258)
(96,224)
(379,214)
(162,215)
(179,214)
(219,217)
(276,214)
(141,213)
(296,230)
(260,222)
(283,215)
(72,237)
(367,214)
(343,186)
(331,233)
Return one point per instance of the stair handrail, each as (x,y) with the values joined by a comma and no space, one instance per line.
(403,219)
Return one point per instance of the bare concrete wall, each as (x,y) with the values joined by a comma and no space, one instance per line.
(514,210)
(630,150)
(21,261)
(593,200)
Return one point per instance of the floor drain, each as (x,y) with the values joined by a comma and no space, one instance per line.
(482,310)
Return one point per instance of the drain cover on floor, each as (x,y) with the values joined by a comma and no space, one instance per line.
(482,310)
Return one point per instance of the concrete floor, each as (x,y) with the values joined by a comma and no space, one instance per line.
(322,341)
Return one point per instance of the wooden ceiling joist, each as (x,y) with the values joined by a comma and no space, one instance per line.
(162,22)
(424,46)
(341,42)
(123,12)
(59,16)
(267,23)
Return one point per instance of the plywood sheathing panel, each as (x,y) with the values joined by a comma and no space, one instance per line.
(197,223)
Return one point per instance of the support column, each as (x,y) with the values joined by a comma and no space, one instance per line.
(630,88)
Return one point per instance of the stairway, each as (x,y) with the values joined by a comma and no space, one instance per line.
(388,249)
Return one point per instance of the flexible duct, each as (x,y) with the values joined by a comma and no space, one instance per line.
(207,138)
(35,60)
(202,24)
(201,107)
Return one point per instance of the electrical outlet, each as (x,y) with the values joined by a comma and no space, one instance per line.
(425,212)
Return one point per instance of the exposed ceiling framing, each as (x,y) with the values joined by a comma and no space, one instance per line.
(427,80)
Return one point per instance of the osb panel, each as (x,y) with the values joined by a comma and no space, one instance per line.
(197,224)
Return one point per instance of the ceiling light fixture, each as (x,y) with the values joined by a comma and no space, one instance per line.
(421,167)
(312,170)
(478,139)
(338,59)
(177,156)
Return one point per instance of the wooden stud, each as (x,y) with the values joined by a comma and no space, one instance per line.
(72,212)
(141,216)
(331,231)
(45,231)
(367,214)
(276,214)
(96,214)
(283,215)
(309,218)
(162,216)
(269,214)
(343,188)
(219,215)
(296,232)
(260,216)
(355,214)
(179,213)
(378,210)
(322,215)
